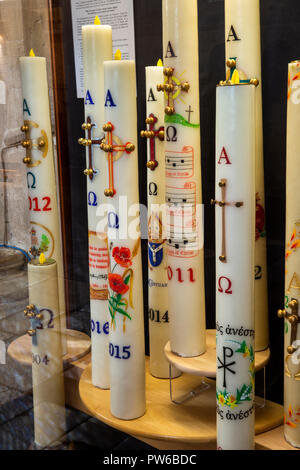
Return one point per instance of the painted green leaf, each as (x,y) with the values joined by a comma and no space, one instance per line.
(126,280)
(120,310)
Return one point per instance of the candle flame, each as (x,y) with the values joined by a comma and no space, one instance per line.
(118,55)
(42,258)
(235,79)
(97,20)
(159,63)
(31,53)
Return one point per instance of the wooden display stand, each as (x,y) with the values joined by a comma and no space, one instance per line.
(190,425)
(78,344)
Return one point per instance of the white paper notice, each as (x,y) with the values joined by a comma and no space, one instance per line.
(116,13)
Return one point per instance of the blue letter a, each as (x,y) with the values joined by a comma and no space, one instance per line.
(109,100)
(88,98)
(25,108)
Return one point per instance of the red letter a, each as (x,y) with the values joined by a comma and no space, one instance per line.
(224,156)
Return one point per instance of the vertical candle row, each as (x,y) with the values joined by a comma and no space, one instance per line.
(126,347)
(97,47)
(243,52)
(235,226)
(39,160)
(291,313)
(183,177)
(157,263)
(47,361)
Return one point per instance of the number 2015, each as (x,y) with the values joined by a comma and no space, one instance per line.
(116,351)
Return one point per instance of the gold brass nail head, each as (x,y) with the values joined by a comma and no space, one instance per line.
(231,63)
(27,160)
(161,135)
(150,120)
(222,258)
(254,81)
(185,86)
(169,110)
(281,313)
(129,147)
(107,127)
(151,165)
(31,332)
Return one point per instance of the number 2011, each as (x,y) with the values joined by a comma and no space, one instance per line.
(119,353)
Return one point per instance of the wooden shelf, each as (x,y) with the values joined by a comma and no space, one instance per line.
(205,365)
(166,425)
(78,343)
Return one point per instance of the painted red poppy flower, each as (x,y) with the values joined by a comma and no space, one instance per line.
(117,284)
(122,256)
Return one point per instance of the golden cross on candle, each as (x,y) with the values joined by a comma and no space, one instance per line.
(41,143)
(109,147)
(223,203)
(172,87)
(89,142)
(294,319)
(151,134)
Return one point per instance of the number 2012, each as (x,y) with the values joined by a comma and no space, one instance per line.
(119,353)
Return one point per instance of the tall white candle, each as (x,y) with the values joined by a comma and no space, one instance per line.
(159,319)
(47,361)
(292,271)
(126,336)
(97,47)
(42,190)
(183,177)
(235,227)
(242,39)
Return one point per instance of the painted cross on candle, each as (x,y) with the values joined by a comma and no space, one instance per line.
(223,204)
(88,126)
(110,148)
(151,134)
(294,319)
(41,144)
(172,88)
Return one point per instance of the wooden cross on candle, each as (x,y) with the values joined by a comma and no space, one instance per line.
(41,143)
(151,134)
(223,203)
(109,147)
(294,319)
(35,318)
(172,87)
(89,142)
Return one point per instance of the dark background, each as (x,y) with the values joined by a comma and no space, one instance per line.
(280,32)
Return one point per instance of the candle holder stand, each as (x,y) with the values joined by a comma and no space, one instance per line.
(205,366)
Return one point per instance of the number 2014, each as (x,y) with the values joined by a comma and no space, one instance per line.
(119,353)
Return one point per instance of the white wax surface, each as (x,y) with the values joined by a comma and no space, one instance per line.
(244,17)
(42,189)
(235,132)
(157,267)
(47,365)
(127,353)
(97,47)
(292,272)
(183,182)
